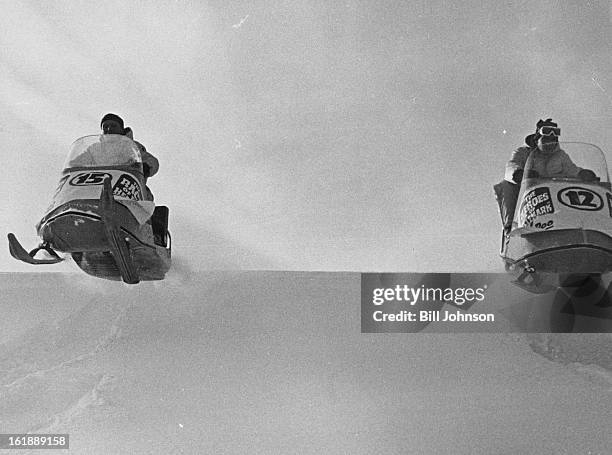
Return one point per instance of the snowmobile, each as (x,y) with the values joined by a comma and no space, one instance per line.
(101,215)
(561,236)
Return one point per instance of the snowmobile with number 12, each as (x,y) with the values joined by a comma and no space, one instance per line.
(562,225)
(561,237)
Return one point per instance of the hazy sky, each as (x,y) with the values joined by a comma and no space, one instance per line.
(304,135)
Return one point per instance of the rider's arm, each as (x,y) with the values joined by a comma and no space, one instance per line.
(149,160)
(517,161)
(569,168)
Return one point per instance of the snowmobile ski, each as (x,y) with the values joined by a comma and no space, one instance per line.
(119,244)
(19,253)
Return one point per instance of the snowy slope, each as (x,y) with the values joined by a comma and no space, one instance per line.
(274,362)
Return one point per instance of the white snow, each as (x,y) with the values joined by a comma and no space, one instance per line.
(274,362)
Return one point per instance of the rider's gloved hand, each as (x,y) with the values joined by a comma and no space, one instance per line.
(517,176)
(587,175)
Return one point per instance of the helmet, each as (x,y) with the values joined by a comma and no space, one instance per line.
(113,117)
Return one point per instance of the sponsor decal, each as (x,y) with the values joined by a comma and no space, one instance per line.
(536,202)
(580,198)
(545,225)
(89,178)
(127,187)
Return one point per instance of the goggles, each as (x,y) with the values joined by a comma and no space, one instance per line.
(550,131)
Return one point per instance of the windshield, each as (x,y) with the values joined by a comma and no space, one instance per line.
(103,150)
(567,161)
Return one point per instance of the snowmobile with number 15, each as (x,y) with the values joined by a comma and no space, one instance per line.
(100,215)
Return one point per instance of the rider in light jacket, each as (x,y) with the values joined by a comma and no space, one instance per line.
(113,124)
(547,160)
